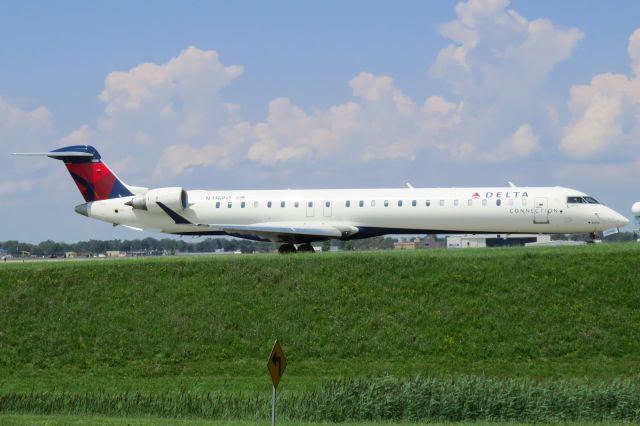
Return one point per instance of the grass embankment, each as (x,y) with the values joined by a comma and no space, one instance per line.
(87,337)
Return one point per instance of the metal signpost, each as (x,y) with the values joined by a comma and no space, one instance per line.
(276,365)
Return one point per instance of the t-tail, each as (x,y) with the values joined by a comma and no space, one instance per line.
(92,176)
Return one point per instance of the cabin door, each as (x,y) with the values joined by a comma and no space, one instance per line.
(326,212)
(541,214)
(310,209)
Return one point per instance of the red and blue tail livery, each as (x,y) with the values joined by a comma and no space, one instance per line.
(94,179)
(92,176)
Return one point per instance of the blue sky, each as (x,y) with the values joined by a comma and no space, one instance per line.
(315,94)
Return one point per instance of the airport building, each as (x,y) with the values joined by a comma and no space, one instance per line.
(409,244)
(496,240)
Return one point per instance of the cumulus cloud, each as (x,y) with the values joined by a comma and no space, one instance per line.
(521,144)
(634,51)
(8,188)
(173,118)
(496,49)
(191,78)
(606,113)
(167,116)
(20,129)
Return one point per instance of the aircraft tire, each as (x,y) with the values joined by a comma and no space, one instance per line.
(287,249)
(306,248)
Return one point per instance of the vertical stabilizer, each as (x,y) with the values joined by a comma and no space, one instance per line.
(92,176)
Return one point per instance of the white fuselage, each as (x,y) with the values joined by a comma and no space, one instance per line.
(374,211)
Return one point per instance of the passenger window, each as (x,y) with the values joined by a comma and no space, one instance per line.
(498,202)
(399,203)
(511,201)
(282,204)
(327,204)
(229,204)
(428,203)
(256,204)
(361,203)
(296,204)
(217,204)
(386,203)
(268,204)
(310,204)
(373,203)
(469,203)
(441,203)
(484,202)
(242,204)
(455,203)
(414,203)
(347,203)
(524,202)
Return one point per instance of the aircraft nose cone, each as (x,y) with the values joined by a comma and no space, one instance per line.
(82,209)
(622,221)
(617,220)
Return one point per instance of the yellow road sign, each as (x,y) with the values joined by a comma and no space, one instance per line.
(277,363)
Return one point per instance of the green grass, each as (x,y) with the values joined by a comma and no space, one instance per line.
(22,420)
(207,324)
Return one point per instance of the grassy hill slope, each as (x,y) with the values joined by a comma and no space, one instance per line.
(209,323)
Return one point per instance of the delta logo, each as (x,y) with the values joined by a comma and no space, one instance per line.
(475,195)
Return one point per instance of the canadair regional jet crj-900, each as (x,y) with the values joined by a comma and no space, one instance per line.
(299,217)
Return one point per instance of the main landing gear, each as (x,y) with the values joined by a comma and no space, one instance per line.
(290,248)
(306,248)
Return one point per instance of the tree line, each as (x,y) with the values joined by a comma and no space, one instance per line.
(168,245)
(153,245)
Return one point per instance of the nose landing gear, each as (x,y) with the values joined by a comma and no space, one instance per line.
(593,237)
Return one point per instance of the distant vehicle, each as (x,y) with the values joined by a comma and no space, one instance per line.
(304,216)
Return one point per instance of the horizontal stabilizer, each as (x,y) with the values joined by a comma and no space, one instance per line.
(55,154)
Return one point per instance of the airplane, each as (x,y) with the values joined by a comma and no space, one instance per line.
(300,217)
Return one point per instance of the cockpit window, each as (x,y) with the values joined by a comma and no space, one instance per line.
(582,200)
(591,200)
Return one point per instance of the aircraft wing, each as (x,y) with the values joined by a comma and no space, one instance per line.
(287,233)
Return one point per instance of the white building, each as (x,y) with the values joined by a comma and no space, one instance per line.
(495,240)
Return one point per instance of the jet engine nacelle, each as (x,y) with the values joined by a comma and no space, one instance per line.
(174,198)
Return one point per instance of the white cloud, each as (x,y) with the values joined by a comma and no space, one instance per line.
(191,78)
(167,116)
(524,142)
(634,51)
(606,114)
(8,188)
(494,49)
(174,119)
(20,129)
(521,144)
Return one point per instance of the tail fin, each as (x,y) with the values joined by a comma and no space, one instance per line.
(92,176)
